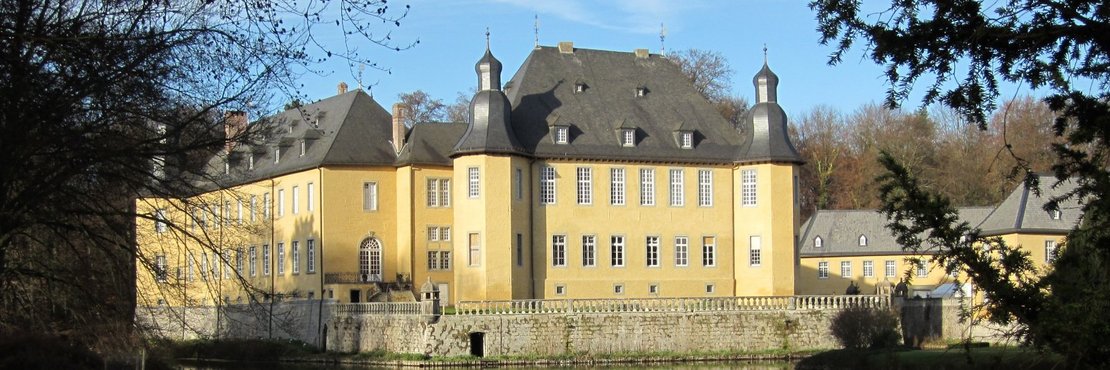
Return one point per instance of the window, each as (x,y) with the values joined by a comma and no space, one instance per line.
(444,260)
(585,186)
(676,188)
(562,135)
(250,161)
(239,206)
(433,260)
(1056,214)
(653,289)
(616,256)
(296,199)
(445,233)
(190,270)
(296,256)
(547,185)
(519,184)
(618,288)
(370,196)
(708,251)
(652,244)
(266,259)
(1049,251)
(686,140)
(310,260)
(433,233)
(647,187)
(868,269)
(710,288)
(215,265)
(160,221)
(560,289)
(755,250)
(203,265)
(558,250)
(445,192)
(818,243)
(304,148)
(266,206)
(822,270)
(254,206)
(747,188)
(890,268)
(281,259)
(227,213)
(281,202)
(846,269)
(160,268)
(239,260)
(475,247)
(433,192)
(705,188)
(922,269)
(277,155)
(589,250)
(616,186)
(519,249)
(253,261)
(628,137)
(473,187)
(681,251)
(862,241)
(370,260)
(311,197)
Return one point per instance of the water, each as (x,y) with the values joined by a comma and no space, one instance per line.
(736,365)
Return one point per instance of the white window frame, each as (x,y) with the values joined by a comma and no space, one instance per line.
(647,186)
(433,233)
(868,269)
(559,250)
(474,184)
(266,260)
(822,270)
(585,185)
(677,188)
(433,192)
(651,246)
(445,233)
(547,185)
(687,140)
(628,137)
(562,135)
(846,269)
(310,255)
(890,268)
(681,251)
(862,240)
(922,269)
(616,250)
(705,188)
(755,250)
(280,259)
(589,250)
(748,188)
(444,193)
(295,254)
(254,206)
(252,258)
(369,196)
(281,202)
(709,251)
(818,242)
(616,186)
(160,224)
(161,268)
(311,197)
(296,199)
(1050,251)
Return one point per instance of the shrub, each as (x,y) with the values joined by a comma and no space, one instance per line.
(862,327)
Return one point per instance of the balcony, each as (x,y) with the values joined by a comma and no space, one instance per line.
(351,278)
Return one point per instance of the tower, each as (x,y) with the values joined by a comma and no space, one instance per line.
(491,209)
(766,178)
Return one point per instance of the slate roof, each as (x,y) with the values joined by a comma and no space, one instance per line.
(346,129)
(430,144)
(1021,212)
(543,95)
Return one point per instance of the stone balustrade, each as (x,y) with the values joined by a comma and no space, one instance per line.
(384,308)
(711,304)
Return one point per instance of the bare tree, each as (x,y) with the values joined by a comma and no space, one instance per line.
(422,108)
(819,142)
(460,110)
(708,70)
(102,103)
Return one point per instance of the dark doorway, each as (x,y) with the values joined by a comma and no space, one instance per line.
(477,344)
(356,296)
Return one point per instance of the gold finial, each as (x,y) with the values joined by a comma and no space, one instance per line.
(662,38)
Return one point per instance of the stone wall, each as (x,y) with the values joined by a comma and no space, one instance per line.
(926,320)
(300,320)
(594,333)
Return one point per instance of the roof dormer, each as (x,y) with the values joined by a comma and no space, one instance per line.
(684,136)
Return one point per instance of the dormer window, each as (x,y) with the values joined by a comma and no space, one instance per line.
(641,91)
(227,168)
(862,240)
(277,155)
(562,135)
(580,87)
(250,161)
(1056,214)
(686,140)
(817,243)
(628,137)
(304,147)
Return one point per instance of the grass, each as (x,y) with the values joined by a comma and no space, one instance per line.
(956,358)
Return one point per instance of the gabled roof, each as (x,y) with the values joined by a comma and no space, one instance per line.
(430,143)
(544,87)
(346,129)
(1023,210)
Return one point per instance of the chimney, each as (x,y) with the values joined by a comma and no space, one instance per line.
(566,47)
(342,89)
(399,110)
(235,123)
(641,53)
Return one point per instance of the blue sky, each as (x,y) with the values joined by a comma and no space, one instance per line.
(452,39)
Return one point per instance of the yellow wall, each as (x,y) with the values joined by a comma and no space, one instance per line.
(774,219)
(835,283)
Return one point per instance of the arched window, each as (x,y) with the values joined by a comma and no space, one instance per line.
(863,240)
(817,242)
(370,260)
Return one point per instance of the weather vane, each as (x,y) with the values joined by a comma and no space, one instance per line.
(662,38)
(487,38)
(361,67)
(765,53)
(537,29)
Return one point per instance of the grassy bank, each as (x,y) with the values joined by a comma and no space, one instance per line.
(948,359)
